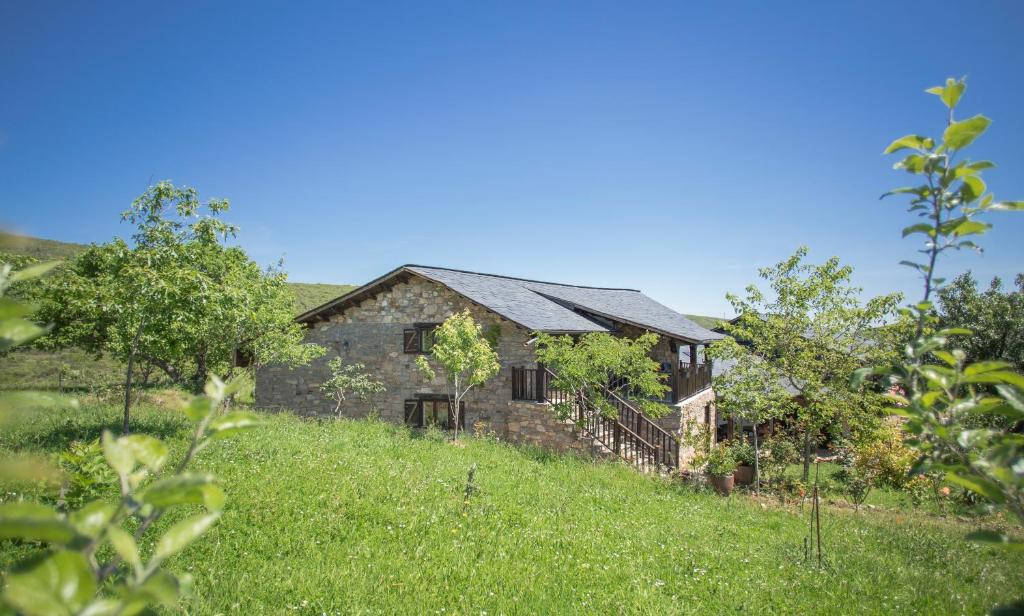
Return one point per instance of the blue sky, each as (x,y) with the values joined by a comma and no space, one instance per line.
(672,147)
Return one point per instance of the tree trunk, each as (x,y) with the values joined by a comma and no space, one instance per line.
(807,455)
(199,378)
(172,372)
(128,377)
(757,464)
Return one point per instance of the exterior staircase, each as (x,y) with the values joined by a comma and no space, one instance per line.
(629,434)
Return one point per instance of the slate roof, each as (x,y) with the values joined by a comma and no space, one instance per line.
(552,307)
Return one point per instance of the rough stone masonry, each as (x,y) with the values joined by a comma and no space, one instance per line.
(371,333)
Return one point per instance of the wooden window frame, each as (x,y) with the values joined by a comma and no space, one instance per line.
(414,411)
(414,337)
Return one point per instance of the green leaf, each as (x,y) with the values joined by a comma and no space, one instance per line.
(183,533)
(215,388)
(34,522)
(125,546)
(970,227)
(978,485)
(146,449)
(1012,395)
(979,367)
(955,331)
(33,271)
(916,142)
(199,407)
(60,584)
(187,488)
(922,227)
(105,607)
(1007,206)
(973,188)
(914,163)
(233,422)
(162,588)
(920,191)
(118,456)
(959,135)
(991,536)
(950,93)
(90,519)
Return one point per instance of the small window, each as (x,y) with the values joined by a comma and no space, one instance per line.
(424,413)
(419,339)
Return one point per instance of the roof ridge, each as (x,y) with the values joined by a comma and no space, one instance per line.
(560,284)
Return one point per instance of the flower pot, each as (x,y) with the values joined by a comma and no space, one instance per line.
(723,484)
(744,475)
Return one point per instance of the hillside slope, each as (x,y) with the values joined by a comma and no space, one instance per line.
(307,294)
(367,517)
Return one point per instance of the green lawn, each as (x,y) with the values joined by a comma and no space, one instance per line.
(366,517)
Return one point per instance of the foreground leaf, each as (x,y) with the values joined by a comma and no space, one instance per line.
(60,584)
(183,533)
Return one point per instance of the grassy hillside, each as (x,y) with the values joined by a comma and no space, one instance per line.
(44,250)
(366,517)
(307,295)
(34,369)
(704,321)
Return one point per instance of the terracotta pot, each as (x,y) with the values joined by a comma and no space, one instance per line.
(723,484)
(744,475)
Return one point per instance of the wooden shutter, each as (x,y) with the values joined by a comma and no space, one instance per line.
(413,413)
(411,340)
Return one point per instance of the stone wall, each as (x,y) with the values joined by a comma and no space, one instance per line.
(698,409)
(371,333)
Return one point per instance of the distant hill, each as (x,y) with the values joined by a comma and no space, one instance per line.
(704,321)
(44,250)
(307,294)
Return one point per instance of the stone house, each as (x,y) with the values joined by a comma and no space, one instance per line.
(386,324)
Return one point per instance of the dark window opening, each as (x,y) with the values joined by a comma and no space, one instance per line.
(424,413)
(419,339)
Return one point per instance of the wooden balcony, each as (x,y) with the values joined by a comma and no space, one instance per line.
(690,379)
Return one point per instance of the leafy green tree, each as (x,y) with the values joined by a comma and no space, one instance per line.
(995,316)
(941,389)
(594,362)
(464,356)
(180,299)
(349,380)
(79,574)
(811,331)
(751,390)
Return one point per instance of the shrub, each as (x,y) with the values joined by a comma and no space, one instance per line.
(721,461)
(87,475)
(743,451)
(778,453)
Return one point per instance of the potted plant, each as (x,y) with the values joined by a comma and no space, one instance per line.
(743,451)
(721,465)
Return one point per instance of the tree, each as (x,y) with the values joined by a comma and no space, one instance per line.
(996,318)
(464,356)
(348,380)
(812,332)
(595,362)
(81,574)
(750,390)
(179,299)
(940,391)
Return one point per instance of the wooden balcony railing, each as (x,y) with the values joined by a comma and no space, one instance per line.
(628,433)
(691,379)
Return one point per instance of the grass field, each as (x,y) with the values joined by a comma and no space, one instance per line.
(343,517)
